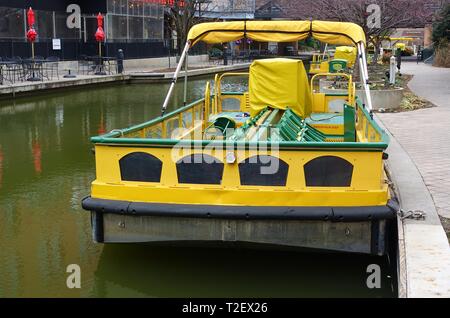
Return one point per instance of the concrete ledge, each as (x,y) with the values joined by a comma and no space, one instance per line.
(167,76)
(424,252)
(23,88)
(162,62)
(386,98)
(27,88)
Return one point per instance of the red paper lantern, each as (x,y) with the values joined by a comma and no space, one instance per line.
(31,35)
(30,18)
(99,20)
(100,35)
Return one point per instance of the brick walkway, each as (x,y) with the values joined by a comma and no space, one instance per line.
(425,134)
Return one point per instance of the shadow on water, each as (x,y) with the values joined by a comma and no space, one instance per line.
(174,271)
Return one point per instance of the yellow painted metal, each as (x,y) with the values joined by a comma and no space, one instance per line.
(401,46)
(319,104)
(279,83)
(368,185)
(243,102)
(336,33)
(320,67)
(168,128)
(321,100)
(347,53)
(401,39)
(365,131)
(329,129)
(319,63)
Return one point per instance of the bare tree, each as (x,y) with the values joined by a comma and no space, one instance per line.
(393,14)
(183,14)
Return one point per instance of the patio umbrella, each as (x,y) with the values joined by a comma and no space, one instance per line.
(100,34)
(31,34)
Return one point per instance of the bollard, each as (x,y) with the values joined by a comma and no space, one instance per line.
(120,58)
(398,54)
(225,55)
(392,70)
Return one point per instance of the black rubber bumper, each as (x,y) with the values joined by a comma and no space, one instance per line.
(354,214)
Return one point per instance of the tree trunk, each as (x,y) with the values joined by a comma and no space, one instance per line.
(376,53)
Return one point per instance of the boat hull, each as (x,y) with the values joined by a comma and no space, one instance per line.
(354,229)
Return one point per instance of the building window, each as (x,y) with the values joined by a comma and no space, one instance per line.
(44,24)
(117,27)
(200,169)
(12,23)
(263,171)
(62,31)
(134,20)
(140,166)
(136,28)
(328,171)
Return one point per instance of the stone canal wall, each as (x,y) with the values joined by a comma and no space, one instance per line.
(30,88)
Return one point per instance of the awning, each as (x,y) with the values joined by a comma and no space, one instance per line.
(335,33)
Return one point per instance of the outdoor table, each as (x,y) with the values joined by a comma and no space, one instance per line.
(101,63)
(34,69)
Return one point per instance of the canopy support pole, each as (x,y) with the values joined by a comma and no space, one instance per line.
(325,51)
(364,74)
(175,77)
(185,80)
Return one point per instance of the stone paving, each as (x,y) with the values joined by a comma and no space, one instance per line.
(425,133)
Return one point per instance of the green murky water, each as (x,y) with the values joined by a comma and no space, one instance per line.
(46,167)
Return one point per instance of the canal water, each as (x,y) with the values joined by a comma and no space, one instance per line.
(46,166)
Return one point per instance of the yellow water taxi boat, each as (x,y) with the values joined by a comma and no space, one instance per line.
(343,60)
(282,164)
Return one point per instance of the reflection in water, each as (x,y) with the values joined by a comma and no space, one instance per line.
(46,167)
(37,157)
(1,166)
(167,271)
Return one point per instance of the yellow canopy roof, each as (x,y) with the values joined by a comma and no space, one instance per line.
(336,33)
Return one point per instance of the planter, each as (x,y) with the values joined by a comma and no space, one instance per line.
(383,98)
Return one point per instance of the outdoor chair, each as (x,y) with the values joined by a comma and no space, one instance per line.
(85,66)
(13,71)
(51,67)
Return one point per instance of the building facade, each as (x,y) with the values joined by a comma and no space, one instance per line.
(227,9)
(136,26)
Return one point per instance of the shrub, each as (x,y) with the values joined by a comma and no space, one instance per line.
(215,52)
(408,52)
(442,56)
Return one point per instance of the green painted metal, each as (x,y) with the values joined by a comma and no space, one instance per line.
(384,136)
(113,138)
(349,123)
(223,124)
(287,145)
(120,132)
(293,128)
(240,133)
(336,66)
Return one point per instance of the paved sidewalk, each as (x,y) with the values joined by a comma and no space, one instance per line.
(425,134)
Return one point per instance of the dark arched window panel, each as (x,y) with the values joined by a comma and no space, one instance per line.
(263,171)
(200,169)
(328,171)
(140,166)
